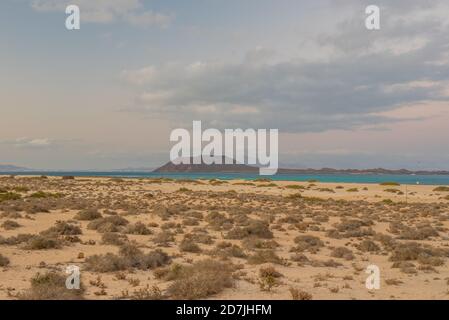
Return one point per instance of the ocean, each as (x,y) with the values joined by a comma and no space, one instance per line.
(337,178)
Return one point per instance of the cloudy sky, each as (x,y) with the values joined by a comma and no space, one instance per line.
(108,95)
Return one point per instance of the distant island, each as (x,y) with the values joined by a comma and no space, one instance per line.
(169,167)
(12,168)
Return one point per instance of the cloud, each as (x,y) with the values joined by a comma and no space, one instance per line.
(24,142)
(366,74)
(108,11)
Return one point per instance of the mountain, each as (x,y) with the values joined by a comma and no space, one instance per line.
(169,167)
(11,168)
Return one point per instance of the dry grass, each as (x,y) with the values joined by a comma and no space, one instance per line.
(50,286)
(201,280)
(4,261)
(129,257)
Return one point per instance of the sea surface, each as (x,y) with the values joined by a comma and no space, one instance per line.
(337,178)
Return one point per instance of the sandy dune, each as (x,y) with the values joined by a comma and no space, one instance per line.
(221,239)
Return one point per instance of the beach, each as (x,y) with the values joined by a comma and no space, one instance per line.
(222,239)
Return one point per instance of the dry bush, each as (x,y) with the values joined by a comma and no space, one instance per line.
(254,243)
(62,228)
(393,282)
(227,249)
(412,251)
(9,196)
(219,221)
(201,280)
(108,224)
(147,293)
(441,189)
(15,240)
(256,228)
(164,238)
(368,246)
(4,261)
(264,256)
(10,225)
(42,242)
(308,243)
(129,257)
(187,245)
(50,286)
(353,228)
(342,252)
(390,183)
(421,232)
(115,239)
(45,195)
(137,228)
(269,271)
(88,214)
(298,294)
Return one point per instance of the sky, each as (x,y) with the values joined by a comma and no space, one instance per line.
(108,95)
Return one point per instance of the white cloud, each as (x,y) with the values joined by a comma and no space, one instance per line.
(107,11)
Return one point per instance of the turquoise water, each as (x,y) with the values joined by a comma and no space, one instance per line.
(338,178)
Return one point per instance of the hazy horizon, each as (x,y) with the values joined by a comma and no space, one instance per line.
(108,95)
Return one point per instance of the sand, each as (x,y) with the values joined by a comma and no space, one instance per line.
(413,214)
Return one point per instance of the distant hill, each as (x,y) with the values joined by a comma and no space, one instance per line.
(11,168)
(169,167)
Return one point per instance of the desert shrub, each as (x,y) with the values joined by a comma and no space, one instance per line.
(421,232)
(137,228)
(20,189)
(189,246)
(147,293)
(44,195)
(201,280)
(164,238)
(68,178)
(129,257)
(107,224)
(227,249)
(412,251)
(4,261)
(88,214)
(390,183)
(9,196)
(219,221)
(50,286)
(368,246)
(115,239)
(326,190)
(294,196)
(264,256)
(255,243)
(295,187)
(10,225)
(441,189)
(352,190)
(62,228)
(199,236)
(256,228)
(299,294)
(15,240)
(42,242)
(308,243)
(393,190)
(342,252)
(269,271)
(349,228)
